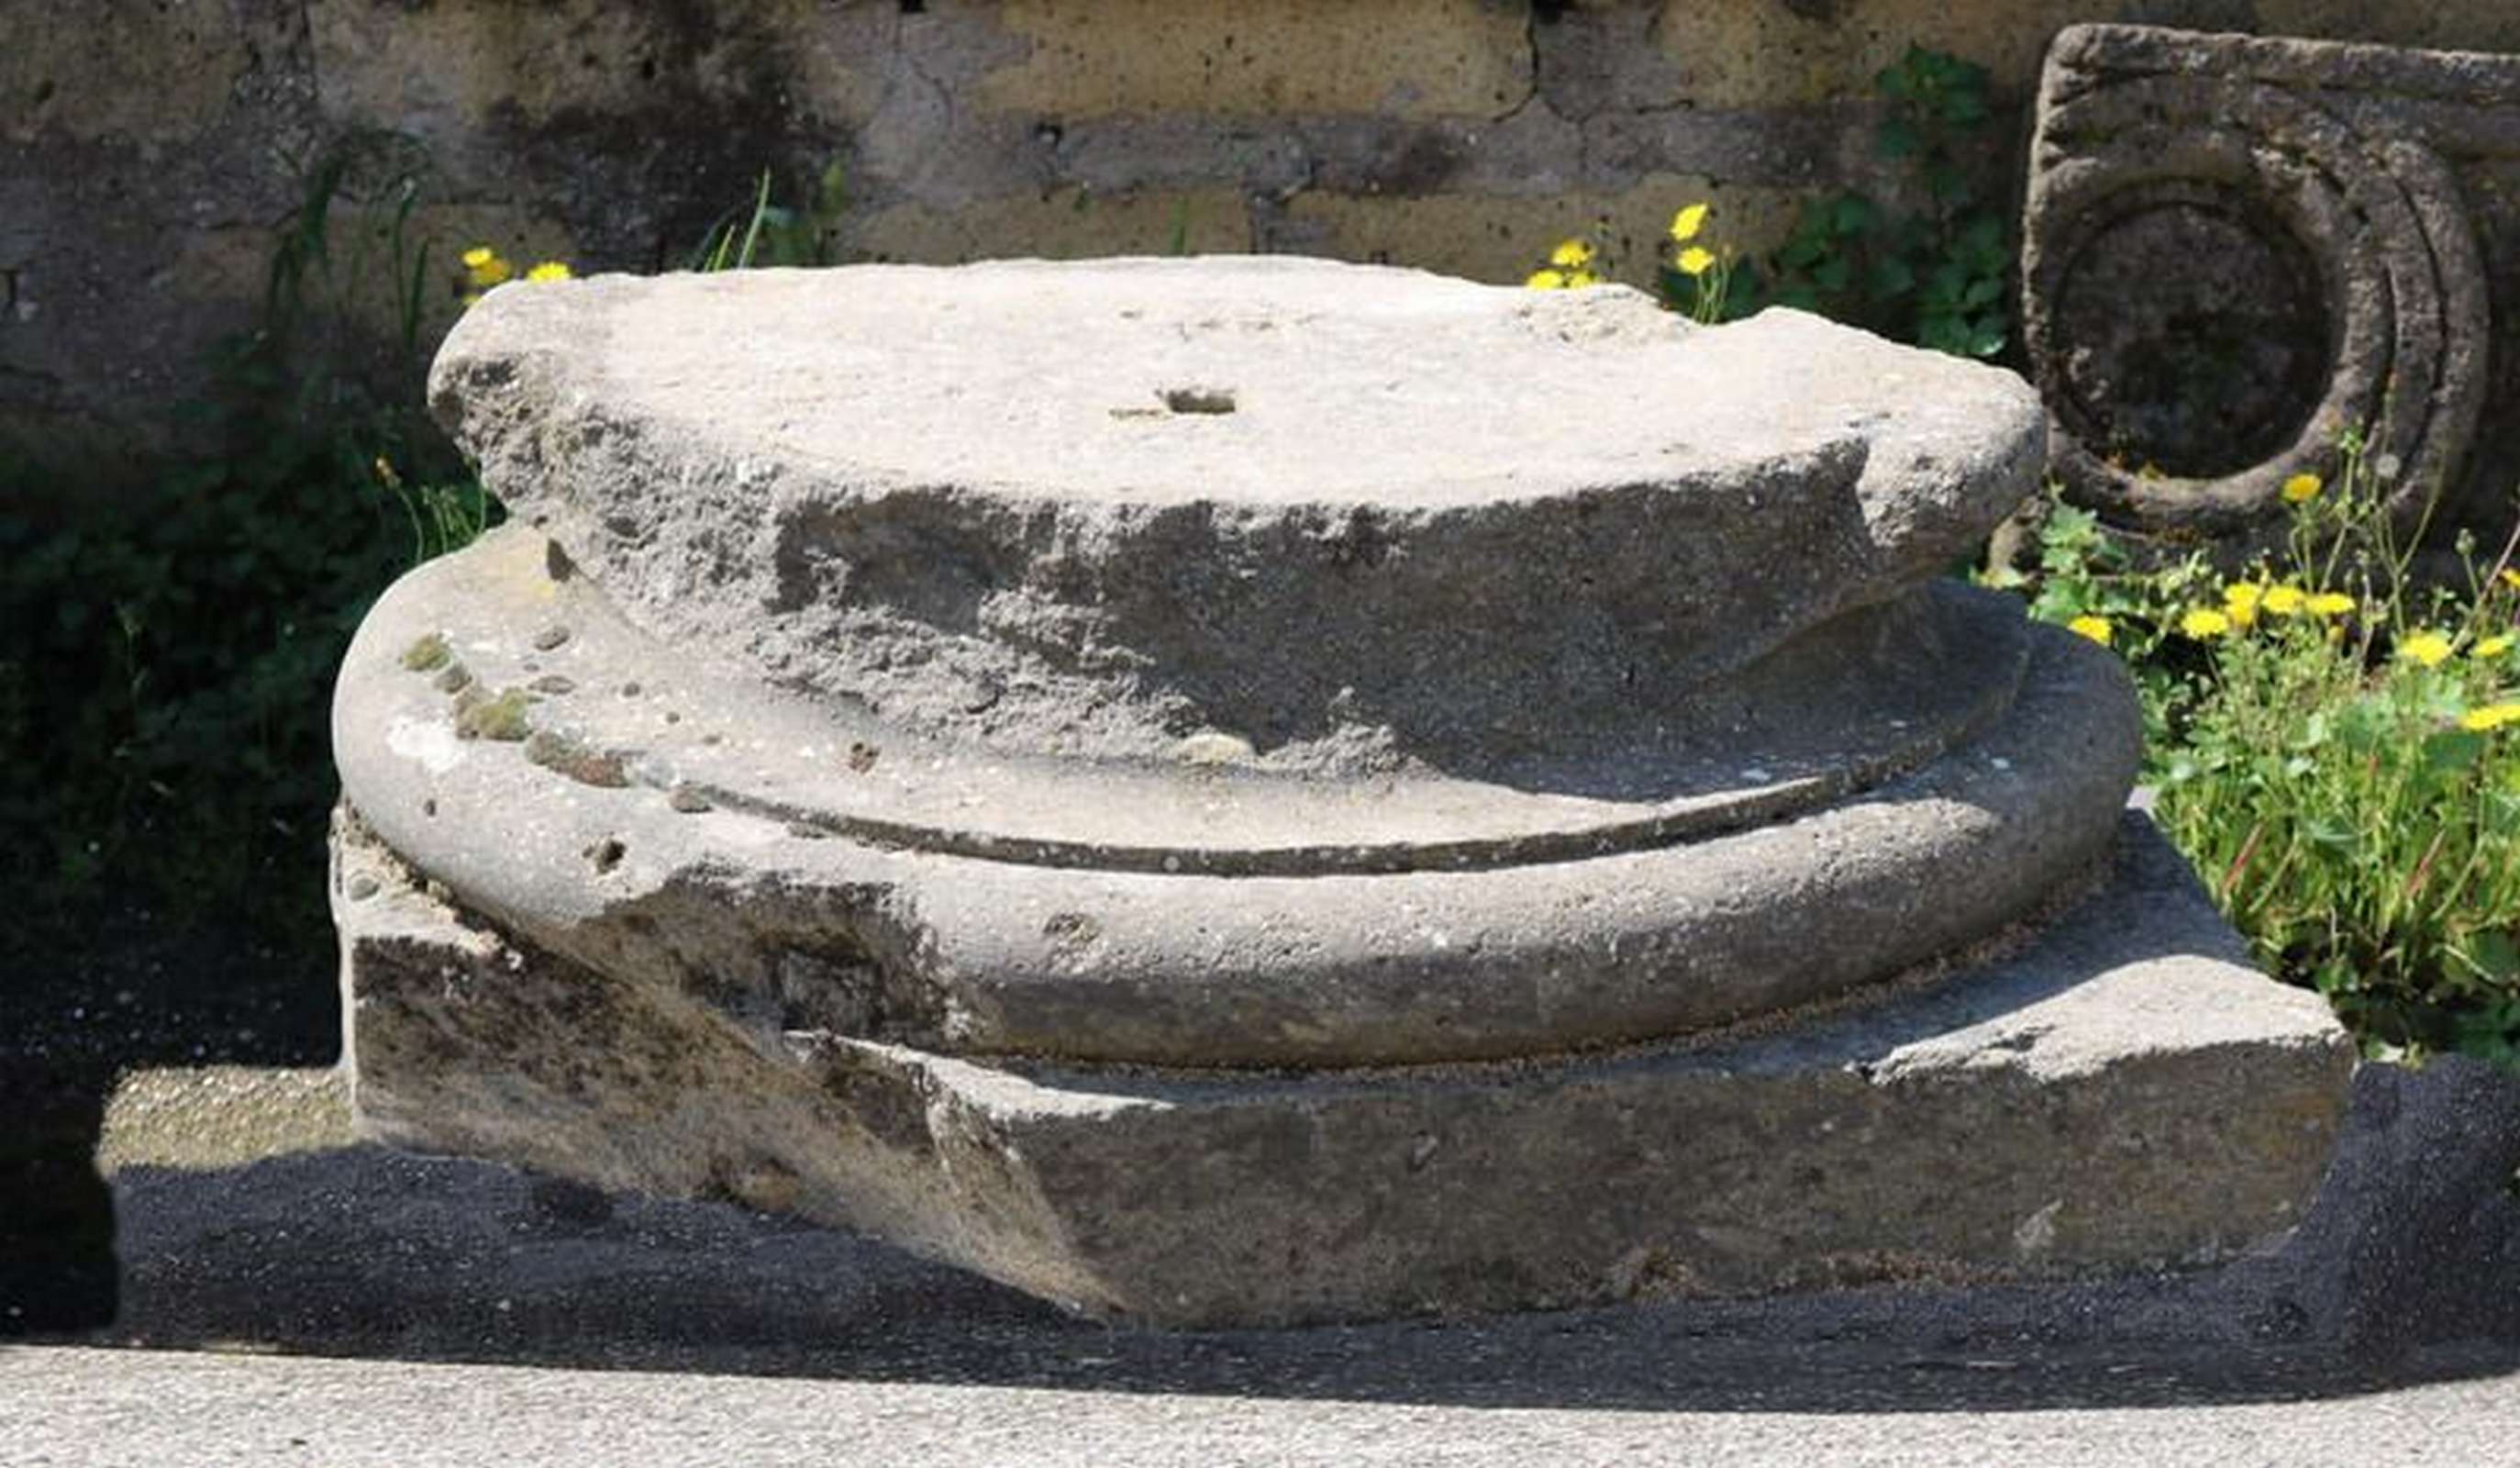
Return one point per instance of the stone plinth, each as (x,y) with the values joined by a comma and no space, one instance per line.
(2235,250)
(1264,791)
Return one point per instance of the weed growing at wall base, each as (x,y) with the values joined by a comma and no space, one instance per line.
(2337,750)
(168,656)
(1937,273)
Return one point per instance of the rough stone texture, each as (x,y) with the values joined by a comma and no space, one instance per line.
(844,873)
(2117,1094)
(2236,250)
(479,1261)
(145,152)
(1185,787)
(1298,503)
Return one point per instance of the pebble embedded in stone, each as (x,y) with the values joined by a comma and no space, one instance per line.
(586,765)
(1210,747)
(551,637)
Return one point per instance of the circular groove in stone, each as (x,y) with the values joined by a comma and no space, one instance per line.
(983,957)
(1939,669)
(2379,215)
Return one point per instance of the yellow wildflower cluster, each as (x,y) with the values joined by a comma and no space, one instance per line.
(1576,263)
(2489,718)
(2426,648)
(2301,489)
(2096,628)
(2245,603)
(485,268)
(1569,268)
(2203,622)
(1692,260)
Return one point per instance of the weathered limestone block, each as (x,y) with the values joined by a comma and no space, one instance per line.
(1265,791)
(2235,250)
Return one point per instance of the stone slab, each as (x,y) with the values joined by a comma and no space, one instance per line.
(1342,514)
(2115,1093)
(2238,248)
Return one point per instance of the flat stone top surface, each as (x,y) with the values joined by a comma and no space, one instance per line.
(1260,380)
(1348,517)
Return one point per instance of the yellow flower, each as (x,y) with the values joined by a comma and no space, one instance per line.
(1547,280)
(2096,628)
(1577,280)
(549,270)
(2427,647)
(1571,252)
(2329,604)
(1695,260)
(2285,600)
(2203,622)
(485,268)
(2491,646)
(2489,717)
(1685,225)
(2300,488)
(2241,601)
(2512,579)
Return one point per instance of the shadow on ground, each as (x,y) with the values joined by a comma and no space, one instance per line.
(81,1004)
(2408,1269)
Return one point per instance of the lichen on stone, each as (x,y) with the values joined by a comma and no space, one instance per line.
(500,716)
(427,653)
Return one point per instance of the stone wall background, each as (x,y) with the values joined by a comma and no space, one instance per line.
(148,147)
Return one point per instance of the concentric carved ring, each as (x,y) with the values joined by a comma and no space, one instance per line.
(2223,277)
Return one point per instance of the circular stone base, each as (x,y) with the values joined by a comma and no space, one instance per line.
(617,799)
(2110,1093)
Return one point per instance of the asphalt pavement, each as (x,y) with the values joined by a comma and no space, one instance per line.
(65,1406)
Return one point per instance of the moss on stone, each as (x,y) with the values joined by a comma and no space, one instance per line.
(427,653)
(500,716)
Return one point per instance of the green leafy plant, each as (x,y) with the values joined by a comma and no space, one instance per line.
(1937,273)
(169,651)
(765,233)
(2336,747)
